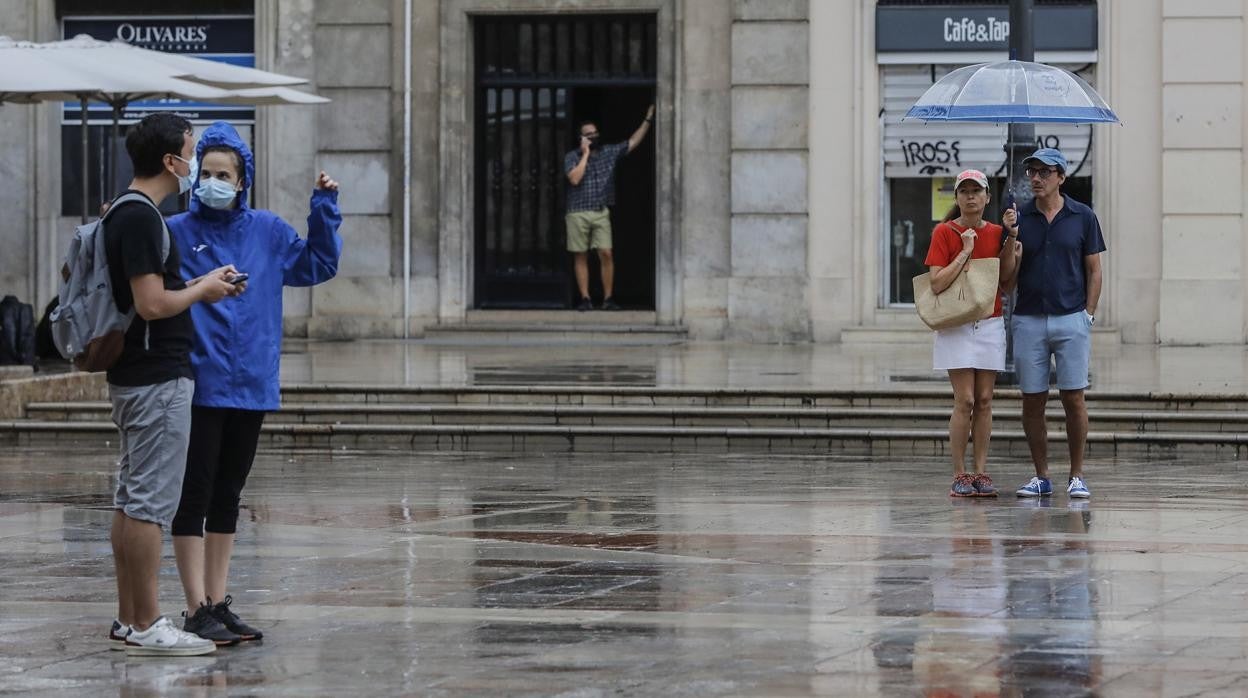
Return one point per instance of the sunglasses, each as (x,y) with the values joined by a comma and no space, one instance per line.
(1044,173)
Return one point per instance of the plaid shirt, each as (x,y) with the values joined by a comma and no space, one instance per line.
(597,188)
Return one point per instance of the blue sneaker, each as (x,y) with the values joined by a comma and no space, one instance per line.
(1036,487)
(1077,488)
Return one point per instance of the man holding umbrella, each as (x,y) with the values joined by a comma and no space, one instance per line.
(1059,285)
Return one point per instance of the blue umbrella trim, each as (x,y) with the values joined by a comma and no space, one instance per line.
(1012,113)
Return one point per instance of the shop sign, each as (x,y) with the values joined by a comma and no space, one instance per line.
(930,28)
(229,39)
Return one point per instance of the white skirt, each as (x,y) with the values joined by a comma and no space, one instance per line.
(979,344)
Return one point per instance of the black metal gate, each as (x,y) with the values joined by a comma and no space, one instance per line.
(536,76)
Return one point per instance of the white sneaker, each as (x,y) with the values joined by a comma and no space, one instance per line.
(117,635)
(163,638)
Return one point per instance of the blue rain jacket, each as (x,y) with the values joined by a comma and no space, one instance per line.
(238,340)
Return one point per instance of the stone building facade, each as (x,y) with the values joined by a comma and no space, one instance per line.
(777,206)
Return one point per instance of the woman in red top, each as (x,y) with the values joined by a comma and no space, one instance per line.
(974,352)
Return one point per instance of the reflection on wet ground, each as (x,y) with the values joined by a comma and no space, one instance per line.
(634,574)
(1219,370)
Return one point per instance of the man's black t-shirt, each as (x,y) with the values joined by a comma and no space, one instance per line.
(133,241)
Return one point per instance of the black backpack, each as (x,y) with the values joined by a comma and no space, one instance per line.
(17,332)
(45,348)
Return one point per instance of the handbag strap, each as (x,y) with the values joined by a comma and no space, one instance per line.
(965,267)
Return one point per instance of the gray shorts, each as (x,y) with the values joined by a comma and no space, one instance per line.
(155,426)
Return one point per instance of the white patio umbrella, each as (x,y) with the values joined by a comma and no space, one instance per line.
(83,69)
(122,57)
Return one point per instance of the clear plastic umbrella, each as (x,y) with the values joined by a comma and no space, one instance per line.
(1012,92)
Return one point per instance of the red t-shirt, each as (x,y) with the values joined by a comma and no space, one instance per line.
(947,245)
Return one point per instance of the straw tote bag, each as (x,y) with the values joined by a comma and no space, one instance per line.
(972,296)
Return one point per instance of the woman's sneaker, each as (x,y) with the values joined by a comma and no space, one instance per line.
(963,486)
(117,635)
(205,624)
(232,622)
(983,486)
(1035,487)
(163,638)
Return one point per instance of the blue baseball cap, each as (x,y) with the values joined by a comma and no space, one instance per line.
(1049,156)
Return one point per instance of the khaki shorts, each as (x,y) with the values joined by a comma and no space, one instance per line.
(589,229)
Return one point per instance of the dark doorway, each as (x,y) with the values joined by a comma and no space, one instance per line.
(537,77)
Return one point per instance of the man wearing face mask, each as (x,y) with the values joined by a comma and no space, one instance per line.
(591,191)
(235,358)
(150,386)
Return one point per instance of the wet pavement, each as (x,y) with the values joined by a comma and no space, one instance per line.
(1205,370)
(642,574)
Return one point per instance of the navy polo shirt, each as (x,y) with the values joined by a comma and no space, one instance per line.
(1052,279)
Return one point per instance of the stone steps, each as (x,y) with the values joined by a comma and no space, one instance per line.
(905,419)
(1109,420)
(935,396)
(529,327)
(542,438)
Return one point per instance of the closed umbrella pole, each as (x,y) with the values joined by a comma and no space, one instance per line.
(1021,136)
(86,169)
(113,155)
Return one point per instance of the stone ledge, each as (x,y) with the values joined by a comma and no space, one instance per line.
(63,387)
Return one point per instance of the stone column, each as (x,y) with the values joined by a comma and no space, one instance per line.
(354,45)
(284,161)
(1128,191)
(838,237)
(27,234)
(1202,166)
(768,291)
(706,121)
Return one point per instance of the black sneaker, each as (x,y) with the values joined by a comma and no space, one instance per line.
(610,304)
(221,611)
(586,304)
(206,625)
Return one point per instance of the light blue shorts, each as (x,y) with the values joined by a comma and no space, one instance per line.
(1065,338)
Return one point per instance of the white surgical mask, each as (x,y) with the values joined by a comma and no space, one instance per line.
(185,183)
(216,193)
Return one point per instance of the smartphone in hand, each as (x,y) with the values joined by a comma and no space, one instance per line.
(239,278)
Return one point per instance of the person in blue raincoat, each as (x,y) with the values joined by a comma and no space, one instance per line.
(235,358)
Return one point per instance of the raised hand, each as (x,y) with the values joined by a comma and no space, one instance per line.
(323,182)
(968,240)
(1009,219)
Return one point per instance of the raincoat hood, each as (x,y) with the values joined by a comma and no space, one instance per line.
(220,134)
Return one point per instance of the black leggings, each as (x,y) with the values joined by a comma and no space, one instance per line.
(222,449)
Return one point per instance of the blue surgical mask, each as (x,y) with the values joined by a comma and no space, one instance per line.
(216,193)
(185,183)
